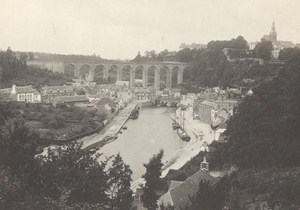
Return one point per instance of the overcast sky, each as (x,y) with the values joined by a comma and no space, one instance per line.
(120,28)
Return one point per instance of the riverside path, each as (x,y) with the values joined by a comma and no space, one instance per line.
(111,129)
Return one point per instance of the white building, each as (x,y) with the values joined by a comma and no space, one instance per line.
(21,94)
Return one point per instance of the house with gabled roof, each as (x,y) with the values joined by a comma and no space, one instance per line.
(179,193)
(49,93)
(21,94)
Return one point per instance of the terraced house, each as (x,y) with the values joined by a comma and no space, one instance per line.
(49,93)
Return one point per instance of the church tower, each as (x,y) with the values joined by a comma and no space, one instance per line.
(273,33)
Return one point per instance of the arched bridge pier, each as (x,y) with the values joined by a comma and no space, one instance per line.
(92,71)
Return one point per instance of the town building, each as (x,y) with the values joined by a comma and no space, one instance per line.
(70,100)
(49,93)
(206,111)
(21,94)
(179,193)
(5,94)
(107,105)
(122,83)
(277,45)
(144,94)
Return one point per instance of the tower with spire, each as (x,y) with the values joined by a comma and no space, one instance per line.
(273,33)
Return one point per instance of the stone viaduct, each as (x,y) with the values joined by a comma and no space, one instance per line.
(90,69)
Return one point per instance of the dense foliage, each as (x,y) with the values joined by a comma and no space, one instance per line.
(14,70)
(211,67)
(52,123)
(263,142)
(67,178)
(10,64)
(153,181)
(63,57)
(263,50)
(265,129)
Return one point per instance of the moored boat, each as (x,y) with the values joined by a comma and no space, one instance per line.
(175,125)
(183,135)
(134,114)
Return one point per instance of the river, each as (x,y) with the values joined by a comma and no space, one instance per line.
(144,137)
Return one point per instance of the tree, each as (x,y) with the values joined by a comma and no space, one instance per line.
(75,170)
(184,55)
(153,181)
(119,181)
(204,198)
(31,56)
(18,148)
(263,50)
(263,131)
(138,57)
(239,43)
(287,53)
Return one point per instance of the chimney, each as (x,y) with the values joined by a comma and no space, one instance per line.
(13,89)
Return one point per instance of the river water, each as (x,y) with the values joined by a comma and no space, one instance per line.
(144,137)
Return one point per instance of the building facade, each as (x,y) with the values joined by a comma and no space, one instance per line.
(21,94)
(277,45)
(49,93)
(206,111)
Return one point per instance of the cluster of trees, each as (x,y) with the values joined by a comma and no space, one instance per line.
(263,139)
(67,178)
(14,70)
(69,120)
(153,182)
(10,64)
(264,130)
(210,67)
(63,57)
(263,50)
(153,56)
(238,43)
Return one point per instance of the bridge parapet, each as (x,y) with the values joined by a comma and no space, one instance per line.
(119,66)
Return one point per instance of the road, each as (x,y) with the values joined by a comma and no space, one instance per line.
(112,128)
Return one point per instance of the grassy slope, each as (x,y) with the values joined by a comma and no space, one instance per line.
(37,78)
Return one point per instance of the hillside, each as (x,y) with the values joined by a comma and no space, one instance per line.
(14,70)
(36,77)
(262,144)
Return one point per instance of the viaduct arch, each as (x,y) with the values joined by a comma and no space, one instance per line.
(97,70)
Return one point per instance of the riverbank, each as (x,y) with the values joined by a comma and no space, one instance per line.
(182,155)
(111,129)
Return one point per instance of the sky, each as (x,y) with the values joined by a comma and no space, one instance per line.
(118,29)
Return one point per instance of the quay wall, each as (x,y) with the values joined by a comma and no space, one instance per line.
(100,138)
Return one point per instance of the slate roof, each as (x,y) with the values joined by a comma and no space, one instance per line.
(208,103)
(19,90)
(178,196)
(284,44)
(71,99)
(5,91)
(57,88)
(25,89)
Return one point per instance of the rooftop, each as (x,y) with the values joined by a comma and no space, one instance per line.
(178,195)
(70,99)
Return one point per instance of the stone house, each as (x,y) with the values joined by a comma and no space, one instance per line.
(74,100)
(179,193)
(49,93)
(206,111)
(21,94)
